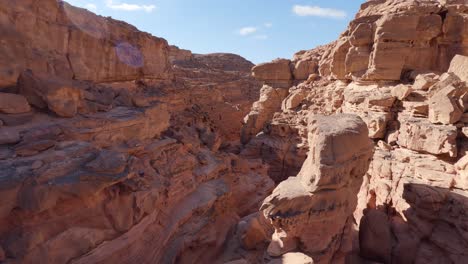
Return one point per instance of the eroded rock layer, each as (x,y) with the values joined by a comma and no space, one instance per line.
(116,147)
(310,211)
(401,66)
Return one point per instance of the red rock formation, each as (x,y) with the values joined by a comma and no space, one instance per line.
(310,211)
(118,148)
(114,146)
(401,67)
(79,44)
(390,38)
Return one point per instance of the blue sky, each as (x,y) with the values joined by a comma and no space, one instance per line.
(259,30)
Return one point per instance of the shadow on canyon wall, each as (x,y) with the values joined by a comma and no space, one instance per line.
(433,229)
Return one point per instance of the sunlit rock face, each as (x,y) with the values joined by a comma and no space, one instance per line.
(310,212)
(401,67)
(390,38)
(56,38)
(116,147)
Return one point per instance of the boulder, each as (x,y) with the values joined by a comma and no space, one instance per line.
(9,136)
(59,96)
(417,109)
(401,91)
(110,162)
(458,66)
(424,81)
(304,68)
(420,135)
(275,70)
(461,180)
(13,104)
(444,105)
(262,111)
(309,210)
(294,99)
(277,73)
(377,122)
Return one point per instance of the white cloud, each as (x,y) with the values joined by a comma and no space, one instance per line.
(318,11)
(129,7)
(268,25)
(247,31)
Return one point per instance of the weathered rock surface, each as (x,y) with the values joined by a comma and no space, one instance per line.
(310,211)
(59,96)
(262,111)
(458,67)
(390,38)
(420,135)
(401,67)
(118,148)
(13,104)
(115,147)
(276,73)
(79,44)
(375,237)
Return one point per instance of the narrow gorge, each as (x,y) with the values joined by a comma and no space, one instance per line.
(117,147)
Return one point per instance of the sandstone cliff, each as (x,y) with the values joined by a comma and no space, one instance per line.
(116,147)
(401,66)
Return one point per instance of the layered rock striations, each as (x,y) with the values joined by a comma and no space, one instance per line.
(401,67)
(388,39)
(56,38)
(309,212)
(115,146)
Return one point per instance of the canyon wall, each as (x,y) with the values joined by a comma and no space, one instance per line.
(389,39)
(116,147)
(401,66)
(56,38)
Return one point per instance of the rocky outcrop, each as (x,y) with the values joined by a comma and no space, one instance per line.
(118,148)
(388,39)
(276,73)
(262,111)
(79,45)
(416,172)
(400,67)
(231,88)
(310,211)
(115,147)
(13,104)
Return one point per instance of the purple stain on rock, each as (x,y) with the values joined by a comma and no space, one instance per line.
(129,55)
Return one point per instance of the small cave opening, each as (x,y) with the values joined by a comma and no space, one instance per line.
(443,14)
(406,76)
